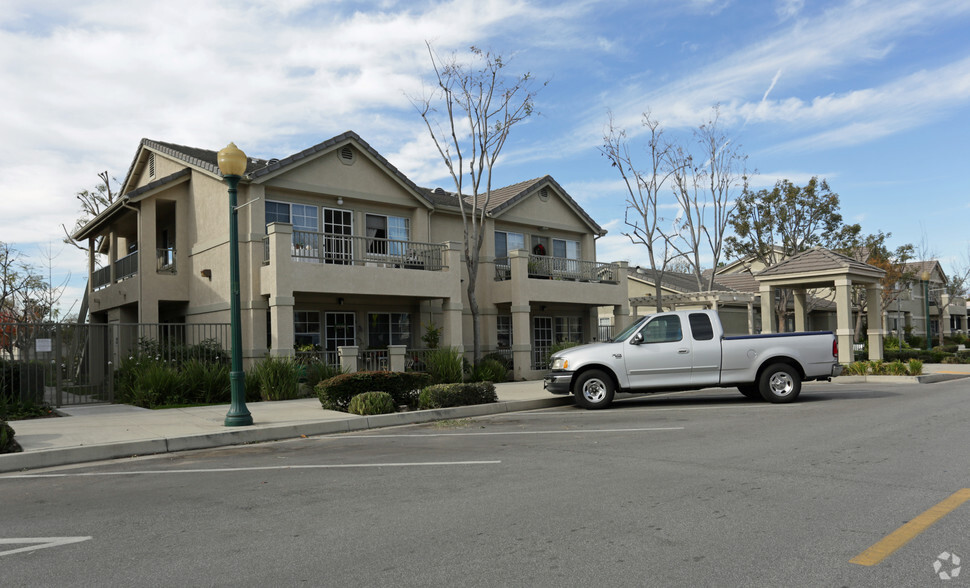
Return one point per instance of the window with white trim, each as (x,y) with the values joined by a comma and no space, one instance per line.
(388,328)
(506,241)
(503,329)
(569,328)
(395,229)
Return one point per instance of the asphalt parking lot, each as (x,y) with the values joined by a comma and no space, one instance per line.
(688,489)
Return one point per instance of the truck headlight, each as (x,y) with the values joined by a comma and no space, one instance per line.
(560,363)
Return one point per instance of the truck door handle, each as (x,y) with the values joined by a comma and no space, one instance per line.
(683,351)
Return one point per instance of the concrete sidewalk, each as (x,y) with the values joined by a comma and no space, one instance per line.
(109,431)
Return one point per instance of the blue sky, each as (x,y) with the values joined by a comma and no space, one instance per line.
(873,96)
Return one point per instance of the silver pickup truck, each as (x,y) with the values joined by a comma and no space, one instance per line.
(686,350)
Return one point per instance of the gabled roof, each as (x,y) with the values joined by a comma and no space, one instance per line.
(930,265)
(503,199)
(679,281)
(95,224)
(819,260)
(274,165)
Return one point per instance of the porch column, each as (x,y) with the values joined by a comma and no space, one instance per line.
(396,357)
(843,311)
(282,338)
(112,254)
(800,307)
(875,315)
(622,318)
(767,309)
(348,358)
(521,341)
(147,262)
(451,333)
(751,317)
(91,269)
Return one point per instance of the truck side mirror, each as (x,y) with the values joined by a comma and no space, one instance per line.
(636,339)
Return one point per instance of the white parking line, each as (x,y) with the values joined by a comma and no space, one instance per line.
(256,468)
(497,433)
(35,543)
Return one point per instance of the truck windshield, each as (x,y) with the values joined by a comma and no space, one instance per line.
(625,333)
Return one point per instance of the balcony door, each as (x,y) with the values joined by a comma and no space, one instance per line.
(340,330)
(338,228)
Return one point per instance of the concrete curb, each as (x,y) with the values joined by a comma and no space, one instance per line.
(924,379)
(30,460)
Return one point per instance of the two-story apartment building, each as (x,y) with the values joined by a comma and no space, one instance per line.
(339,249)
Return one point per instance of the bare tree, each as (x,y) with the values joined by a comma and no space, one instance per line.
(707,187)
(643,187)
(93,202)
(470,115)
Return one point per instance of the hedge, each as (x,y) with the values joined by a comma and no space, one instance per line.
(446,395)
(335,393)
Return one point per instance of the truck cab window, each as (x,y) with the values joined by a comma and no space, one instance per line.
(700,326)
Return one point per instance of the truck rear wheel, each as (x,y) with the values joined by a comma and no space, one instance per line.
(780,383)
(594,389)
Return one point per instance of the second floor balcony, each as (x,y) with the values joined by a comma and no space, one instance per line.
(544,267)
(336,249)
(127,267)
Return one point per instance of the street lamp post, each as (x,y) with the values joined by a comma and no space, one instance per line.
(232,164)
(925,278)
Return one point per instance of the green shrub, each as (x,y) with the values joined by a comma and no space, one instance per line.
(371,403)
(279,378)
(503,358)
(155,384)
(445,365)
(319,370)
(7,444)
(915,367)
(489,370)
(894,368)
(856,368)
(205,383)
(335,393)
(446,395)
(253,389)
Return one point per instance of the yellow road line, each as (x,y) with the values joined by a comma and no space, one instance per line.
(907,532)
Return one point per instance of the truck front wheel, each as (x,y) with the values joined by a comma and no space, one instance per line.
(779,383)
(594,389)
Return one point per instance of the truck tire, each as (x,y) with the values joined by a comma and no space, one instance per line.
(751,391)
(594,389)
(780,383)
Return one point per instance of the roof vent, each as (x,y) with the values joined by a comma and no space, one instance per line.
(439,190)
(544,194)
(346,155)
(274,160)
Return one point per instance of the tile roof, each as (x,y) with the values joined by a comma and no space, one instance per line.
(818,259)
(506,197)
(676,280)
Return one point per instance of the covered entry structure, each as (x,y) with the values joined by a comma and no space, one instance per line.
(821,268)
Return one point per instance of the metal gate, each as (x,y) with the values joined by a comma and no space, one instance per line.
(73,364)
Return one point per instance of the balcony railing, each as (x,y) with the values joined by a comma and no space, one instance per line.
(125,267)
(337,249)
(559,268)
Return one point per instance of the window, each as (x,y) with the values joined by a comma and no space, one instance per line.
(565,249)
(569,328)
(302,216)
(340,330)
(541,341)
(306,327)
(701,327)
(663,329)
(386,234)
(506,241)
(503,328)
(392,328)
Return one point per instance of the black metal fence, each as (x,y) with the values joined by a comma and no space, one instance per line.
(70,364)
